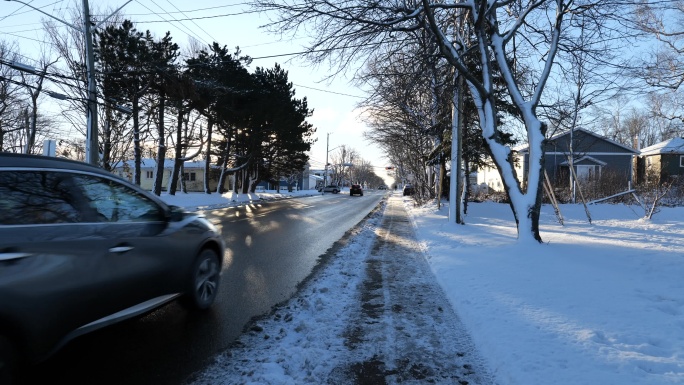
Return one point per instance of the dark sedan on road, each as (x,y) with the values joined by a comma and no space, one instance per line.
(81,249)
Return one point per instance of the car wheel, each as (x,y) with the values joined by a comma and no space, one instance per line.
(204,281)
(7,361)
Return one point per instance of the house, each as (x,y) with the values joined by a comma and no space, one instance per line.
(193,173)
(593,156)
(665,158)
(307,179)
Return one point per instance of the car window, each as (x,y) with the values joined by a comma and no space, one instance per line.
(114,202)
(38,197)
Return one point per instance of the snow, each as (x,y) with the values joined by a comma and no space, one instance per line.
(599,303)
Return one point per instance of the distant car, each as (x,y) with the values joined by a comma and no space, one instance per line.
(330,188)
(383,187)
(356,189)
(81,249)
(408,190)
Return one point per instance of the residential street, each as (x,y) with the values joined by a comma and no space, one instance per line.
(272,246)
(398,325)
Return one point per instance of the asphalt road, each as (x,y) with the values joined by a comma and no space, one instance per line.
(271,248)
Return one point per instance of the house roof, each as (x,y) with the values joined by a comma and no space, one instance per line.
(585,159)
(525,147)
(672,146)
(168,163)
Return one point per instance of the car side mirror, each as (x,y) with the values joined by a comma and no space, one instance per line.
(175,214)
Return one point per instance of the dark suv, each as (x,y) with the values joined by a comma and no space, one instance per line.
(81,248)
(356,189)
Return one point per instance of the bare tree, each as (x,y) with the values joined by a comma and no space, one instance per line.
(493,33)
(10,96)
(411,86)
(33,84)
(663,68)
(341,162)
(664,21)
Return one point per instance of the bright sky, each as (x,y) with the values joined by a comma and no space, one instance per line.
(231,25)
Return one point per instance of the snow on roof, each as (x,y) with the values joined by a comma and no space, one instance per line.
(168,163)
(586,157)
(525,147)
(672,146)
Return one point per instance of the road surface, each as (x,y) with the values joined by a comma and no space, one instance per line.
(271,248)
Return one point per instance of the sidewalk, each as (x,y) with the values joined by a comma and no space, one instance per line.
(403,324)
(372,314)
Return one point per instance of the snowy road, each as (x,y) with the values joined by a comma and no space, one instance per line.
(374,315)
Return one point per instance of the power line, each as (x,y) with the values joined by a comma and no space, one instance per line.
(193,10)
(203,17)
(193,22)
(189,32)
(329,92)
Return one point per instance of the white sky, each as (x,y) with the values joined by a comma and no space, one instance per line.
(599,303)
(333,102)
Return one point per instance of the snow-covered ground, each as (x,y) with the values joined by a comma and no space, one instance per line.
(599,303)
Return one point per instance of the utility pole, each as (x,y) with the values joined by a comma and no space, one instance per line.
(92,153)
(325,173)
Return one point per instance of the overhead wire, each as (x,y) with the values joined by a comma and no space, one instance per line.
(204,17)
(194,10)
(193,22)
(183,27)
(191,33)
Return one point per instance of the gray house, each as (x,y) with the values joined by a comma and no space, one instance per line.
(665,158)
(592,156)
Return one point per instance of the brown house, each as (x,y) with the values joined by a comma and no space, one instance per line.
(665,158)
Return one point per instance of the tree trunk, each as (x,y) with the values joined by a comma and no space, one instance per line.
(107,141)
(137,151)
(224,165)
(161,152)
(207,161)
(178,157)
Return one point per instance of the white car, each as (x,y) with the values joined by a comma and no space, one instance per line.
(330,188)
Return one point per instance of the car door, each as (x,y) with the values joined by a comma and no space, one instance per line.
(49,255)
(143,259)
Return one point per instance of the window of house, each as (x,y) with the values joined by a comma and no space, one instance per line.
(681,161)
(588,171)
(149,174)
(190,176)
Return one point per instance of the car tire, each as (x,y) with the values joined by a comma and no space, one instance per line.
(7,361)
(204,281)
